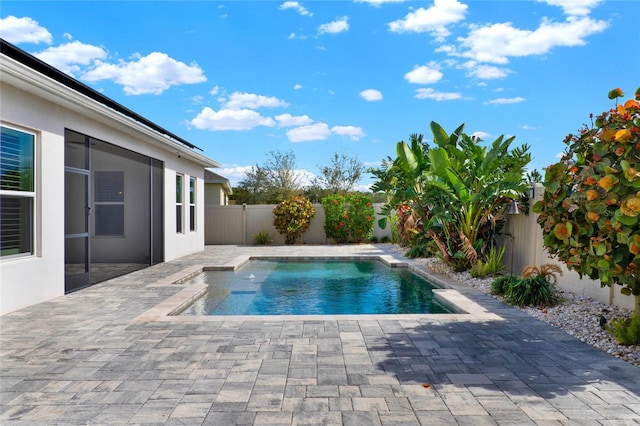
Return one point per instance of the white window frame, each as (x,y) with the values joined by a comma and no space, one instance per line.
(179,203)
(32,195)
(193,212)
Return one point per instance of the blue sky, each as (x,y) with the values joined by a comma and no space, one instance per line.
(240,79)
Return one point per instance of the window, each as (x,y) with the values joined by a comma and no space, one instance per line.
(179,200)
(192,204)
(17,191)
(109,203)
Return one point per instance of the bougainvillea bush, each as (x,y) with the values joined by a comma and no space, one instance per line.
(590,211)
(292,217)
(348,217)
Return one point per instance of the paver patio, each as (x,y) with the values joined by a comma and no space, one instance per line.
(88,358)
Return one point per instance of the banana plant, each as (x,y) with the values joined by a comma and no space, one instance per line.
(460,188)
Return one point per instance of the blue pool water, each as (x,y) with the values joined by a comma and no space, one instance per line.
(315,287)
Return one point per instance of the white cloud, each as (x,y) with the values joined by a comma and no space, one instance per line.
(68,57)
(295,6)
(433,20)
(312,132)
(574,7)
(377,3)
(504,101)
(334,27)
(371,95)
(226,119)
(485,72)
(428,93)
(480,134)
(239,100)
(288,120)
(23,30)
(151,74)
(215,90)
(425,74)
(232,172)
(527,127)
(294,36)
(497,42)
(297,86)
(353,132)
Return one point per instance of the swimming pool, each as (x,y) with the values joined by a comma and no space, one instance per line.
(286,287)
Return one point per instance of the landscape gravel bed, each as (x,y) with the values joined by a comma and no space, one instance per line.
(576,315)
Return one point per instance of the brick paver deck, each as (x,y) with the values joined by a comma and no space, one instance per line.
(92,357)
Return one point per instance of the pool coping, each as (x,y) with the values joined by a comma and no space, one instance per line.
(167,309)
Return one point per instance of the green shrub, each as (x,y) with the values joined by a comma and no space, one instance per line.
(292,217)
(422,247)
(262,238)
(494,260)
(395,232)
(384,239)
(348,217)
(373,239)
(500,285)
(626,331)
(479,269)
(531,291)
(491,265)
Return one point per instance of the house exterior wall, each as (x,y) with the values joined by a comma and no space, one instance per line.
(47,110)
(32,279)
(214,194)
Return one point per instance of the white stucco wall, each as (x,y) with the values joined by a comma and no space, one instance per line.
(32,279)
(47,109)
(181,244)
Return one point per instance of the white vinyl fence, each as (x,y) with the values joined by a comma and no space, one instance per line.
(237,225)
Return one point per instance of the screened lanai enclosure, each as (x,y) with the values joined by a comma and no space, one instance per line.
(113,211)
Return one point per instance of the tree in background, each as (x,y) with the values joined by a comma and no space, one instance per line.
(590,211)
(341,175)
(277,179)
(271,183)
(254,188)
